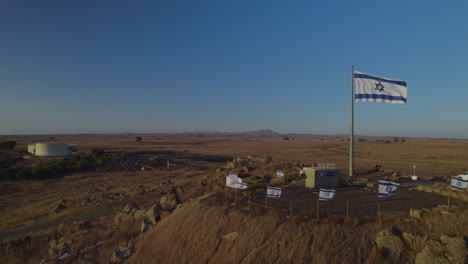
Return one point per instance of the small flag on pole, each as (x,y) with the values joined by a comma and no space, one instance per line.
(279,174)
(326,195)
(387,188)
(370,88)
(235,182)
(459,183)
(273,192)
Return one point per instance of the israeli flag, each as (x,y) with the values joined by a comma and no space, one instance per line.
(279,174)
(273,192)
(235,182)
(387,188)
(326,195)
(458,183)
(370,88)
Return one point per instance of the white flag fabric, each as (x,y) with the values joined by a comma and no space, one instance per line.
(273,192)
(234,181)
(301,172)
(459,183)
(279,174)
(370,88)
(326,195)
(387,188)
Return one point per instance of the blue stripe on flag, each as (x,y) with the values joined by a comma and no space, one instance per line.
(325,199)
(366,76)
(380,96)
(389,183)
(273,195)
(322,190)
(455,187)
(273,188)
(459,179)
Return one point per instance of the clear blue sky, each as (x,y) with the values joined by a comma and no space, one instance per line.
(106,66)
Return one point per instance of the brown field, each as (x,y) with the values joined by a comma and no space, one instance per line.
(29,219)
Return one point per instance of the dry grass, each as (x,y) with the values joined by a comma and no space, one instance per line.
(195,234)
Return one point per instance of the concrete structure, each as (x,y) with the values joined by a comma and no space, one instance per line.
(322,177)
(32,148)
(51,149)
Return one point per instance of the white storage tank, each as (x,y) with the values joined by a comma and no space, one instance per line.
(32,148)
(52,149)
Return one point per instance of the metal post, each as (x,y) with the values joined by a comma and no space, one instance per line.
(448,202)
(378,210)
(290,209)
(317,209)
(249,202)
(347,209)
(235,199)
(351,134)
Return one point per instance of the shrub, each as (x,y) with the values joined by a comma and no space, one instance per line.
(7,144)
(362,140)
(138,139)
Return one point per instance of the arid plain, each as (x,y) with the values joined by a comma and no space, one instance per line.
(80,209)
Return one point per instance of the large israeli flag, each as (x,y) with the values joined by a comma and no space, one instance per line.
(235,182)
(326,195)
(370,88)
(387,188)
(273,192)
(458,183)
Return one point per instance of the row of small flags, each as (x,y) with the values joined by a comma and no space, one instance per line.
(386,188)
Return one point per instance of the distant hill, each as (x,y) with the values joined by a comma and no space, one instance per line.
(261,133)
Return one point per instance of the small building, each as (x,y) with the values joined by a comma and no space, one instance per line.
(323,176)
(52,149)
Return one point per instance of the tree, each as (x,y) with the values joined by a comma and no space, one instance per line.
(138,139)
(8,144)
(403,140)
(396,140)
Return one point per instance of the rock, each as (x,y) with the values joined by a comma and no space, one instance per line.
(145,225)
(428,189)
(60,207)
(123,253)
(363,180)
(86,200)
(58,248)
(169,201)
(139,214)
(86,261)
(456,248)
(231,236)
(416,213)
(445,193)
(420,188)
(266,159)
(152,215)
(390,240)
(129,208)
(121,217)
(370,185)
(433,252)
(415,242)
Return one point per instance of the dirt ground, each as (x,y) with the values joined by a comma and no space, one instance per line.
(32,207)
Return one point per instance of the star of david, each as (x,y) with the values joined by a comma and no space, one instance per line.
(389,189)
(379,87)
(458,183)
(327,194)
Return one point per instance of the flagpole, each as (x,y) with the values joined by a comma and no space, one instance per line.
(351,136)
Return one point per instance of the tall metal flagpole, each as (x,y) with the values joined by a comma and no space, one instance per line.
(351,135)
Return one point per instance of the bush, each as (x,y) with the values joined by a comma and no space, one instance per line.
(8,144)
(138,139)
(403,140)
(362,140)
(396,140)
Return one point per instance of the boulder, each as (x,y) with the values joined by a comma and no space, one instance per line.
(123,253)
(152,215)
(445,193)
(121,217)
(420,188)
(456,248)
(60,207)
(231,236)
(129,208)
(414,241)
(169,201)
(416,213)
(139,214)
(145,225)
(390,240)
(58,248)
(370,185)
(433,252)
(428,189)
